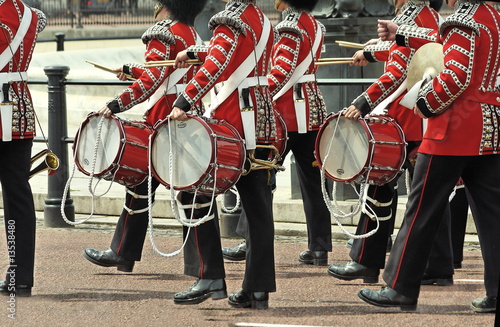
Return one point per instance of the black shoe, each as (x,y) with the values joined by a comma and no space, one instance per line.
(317,258)
(387,297)
(439,280)
(254,300)
(108,258)
(353,270)
(238,253)
(201,290)
(485,304)
(18,290)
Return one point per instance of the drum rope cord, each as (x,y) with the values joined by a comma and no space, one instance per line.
(191,222)
(68,183)
(236,205)
(361,202)
(361,197)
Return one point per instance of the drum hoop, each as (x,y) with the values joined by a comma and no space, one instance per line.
(119,153)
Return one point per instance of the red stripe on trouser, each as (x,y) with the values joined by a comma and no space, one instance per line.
(396,276)
(118,250)
(202,263)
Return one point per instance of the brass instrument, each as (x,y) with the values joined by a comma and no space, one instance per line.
(50,162)
(428,60)
(253,163)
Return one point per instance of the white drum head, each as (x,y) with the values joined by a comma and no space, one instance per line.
(191,148)
(346,145)
(108,147)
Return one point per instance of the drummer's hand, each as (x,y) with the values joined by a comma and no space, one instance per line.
(180,60)
(352,113)
(359,59)
(387,30)
(105,111)
(119,73)
(371,42)
(419,113)
(178,114)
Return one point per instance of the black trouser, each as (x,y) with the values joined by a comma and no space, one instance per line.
(19,210)
(130,231)
(318,219)
(434,180)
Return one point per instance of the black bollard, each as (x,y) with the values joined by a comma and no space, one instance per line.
(60,41)
(57,135)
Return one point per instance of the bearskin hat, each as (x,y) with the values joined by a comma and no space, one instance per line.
(306,5)
(184,10)
(436,4)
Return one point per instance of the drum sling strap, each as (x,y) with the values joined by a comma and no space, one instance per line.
(236,80)
(299,77)
(6,56)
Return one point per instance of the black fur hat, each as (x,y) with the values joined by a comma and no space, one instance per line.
(436,4)
(184,10)
(306,5)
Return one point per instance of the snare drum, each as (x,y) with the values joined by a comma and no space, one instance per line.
(206,155)
(122,151)
(372,149)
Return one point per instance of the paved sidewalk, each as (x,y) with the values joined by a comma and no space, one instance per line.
(70,291)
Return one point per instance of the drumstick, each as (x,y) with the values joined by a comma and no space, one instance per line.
(350,44)
(164,63)
(321,63)
(129,77)
(335,59)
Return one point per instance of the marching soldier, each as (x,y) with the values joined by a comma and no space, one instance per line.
(19,25)
(297,97)
(461,105)
(172,33)
(234,69)
(368,254)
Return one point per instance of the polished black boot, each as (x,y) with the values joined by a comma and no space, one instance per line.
(438,280)
(353,270)
(254,300)
(485,304)
(238,253)
(387,297)
(317,258)
(108,258)
(201,290)
(18,290)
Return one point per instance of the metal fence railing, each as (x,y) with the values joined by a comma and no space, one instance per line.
(81,13)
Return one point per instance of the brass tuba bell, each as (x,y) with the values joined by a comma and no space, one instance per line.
(50,162)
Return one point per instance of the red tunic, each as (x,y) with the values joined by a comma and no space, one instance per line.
(11,14)
(163,40)
(460,121)
(297,35)
(396,72)
(236,31)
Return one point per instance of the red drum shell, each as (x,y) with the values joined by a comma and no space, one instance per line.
(122,155)
(206,153)
(372,149)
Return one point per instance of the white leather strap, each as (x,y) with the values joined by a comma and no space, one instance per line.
(8,53)
(241,72)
